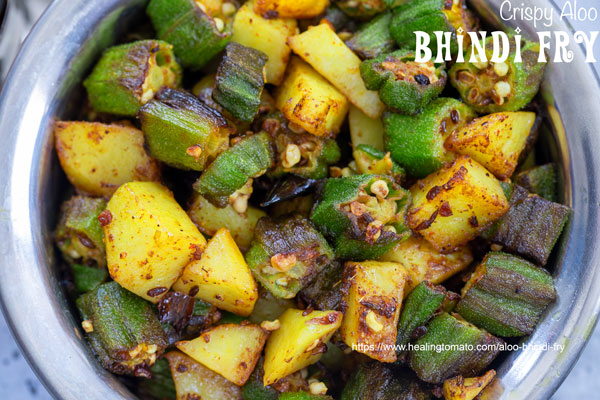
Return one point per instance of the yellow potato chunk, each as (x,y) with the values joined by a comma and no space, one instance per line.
(210,219)
(308,100)
(373,293)
(495,141)
(195,381)
(423,262)
(365,130)
(231,350)
(459,388)
(267,35)
(453,205)
(299,342)
(99,158)
(221,276)
(321,47)
(290,8)
(149,239)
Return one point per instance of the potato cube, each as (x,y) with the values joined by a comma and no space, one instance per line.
(453,205)
(99,158)
(308,100)
(267,35)
(495,141)
(149,239)
(365,130)
(424,263)
(373,293)
(290,8)
(300,341)
(221,276)
(231,350)
(321,47)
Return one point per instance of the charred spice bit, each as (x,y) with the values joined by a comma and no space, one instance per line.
(157,291)
(445,210)
(422,79)
(194,151)
(105,218)
(283,262)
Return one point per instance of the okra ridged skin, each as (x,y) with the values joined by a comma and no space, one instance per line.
(183,132)
(373,38)
(127,336)
(325,293)
(240,81)
(303,396)
(286,254)
(524,79)
(416,142)
(361,9)
(248,158)
(456,335)
(78,234)
(540,180)
(375,160)
(88,278)
(398,89)
(506,295)
(348,224)
(192,32)
(377,381)
(127,74)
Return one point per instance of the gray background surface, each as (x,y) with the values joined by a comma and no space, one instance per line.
(17,381)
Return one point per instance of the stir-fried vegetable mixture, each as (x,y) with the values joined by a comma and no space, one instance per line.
(275,200)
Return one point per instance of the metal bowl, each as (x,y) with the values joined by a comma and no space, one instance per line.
(40,87)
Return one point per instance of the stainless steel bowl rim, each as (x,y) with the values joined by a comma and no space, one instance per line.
(55,56)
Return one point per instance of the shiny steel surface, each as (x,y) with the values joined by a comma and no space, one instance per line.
(56,56)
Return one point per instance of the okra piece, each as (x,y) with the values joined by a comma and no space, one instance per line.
(404,85)
(325,293)
(88,278)
(78,234)
(363,215)
(183,132)
(303,396)
(506,295)
(450,347)
(127,76)
(373,38)
(531,227)
(240,81)
(416,142)
(361,9)
(231,170)
(370,160)
(430,16)
(377,381)
(504,86)
(420,305)
(286,254)
(540,180)
(197,31)
(161,385)
(122,329)
(254,389)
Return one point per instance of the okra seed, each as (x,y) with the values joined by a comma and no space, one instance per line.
(87,326)
(270,325)
(357,208)
(380,189)
(501,69)
(479,64)
(228,9)
(201,6)
(219,24)
(283,262)
(373,323)
(317,388)
(502,88)
(291,156)
(152,349)
(282,282)
(133,353)
(352,4)
(240,204)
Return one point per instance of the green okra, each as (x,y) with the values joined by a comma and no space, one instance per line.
(377,381)
(88,278)
(286,254)
(325,293)
(196,35)
(302,395)
(362,214)
(540,180)
(78,234)
(183,132)
(452,347)
(122,329)
(370,160)
(161,385)
(506,295)
(127,76)
(240,81)
(416,142)
(531,226)
(504,86)
(373,38)
(404,85)
(361,9)
(231,170)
